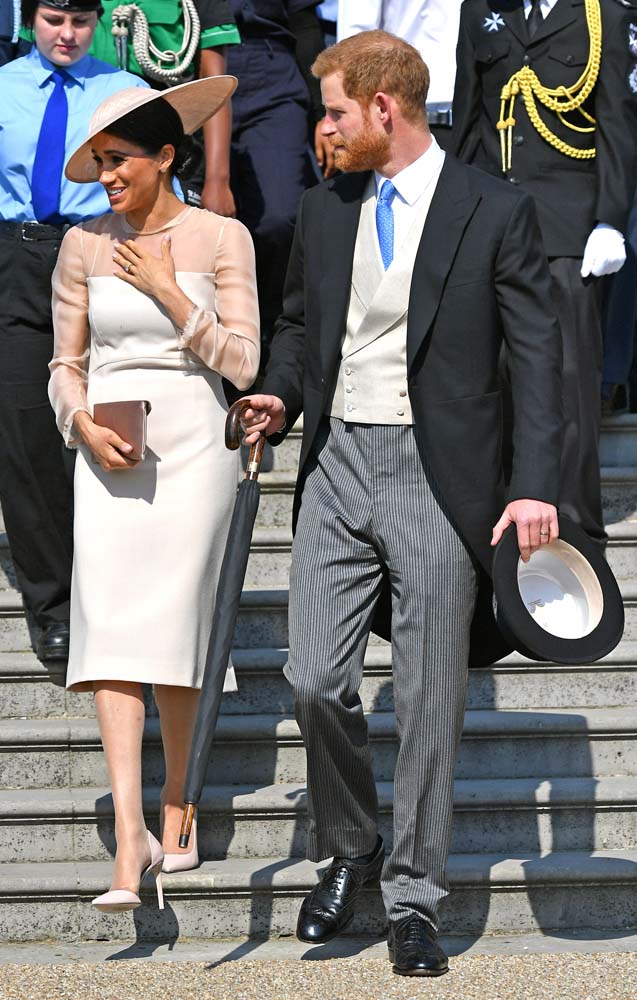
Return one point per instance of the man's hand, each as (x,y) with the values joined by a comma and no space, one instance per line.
(266,416)
(324,152)
(605,252)
(536,524)
(216,196)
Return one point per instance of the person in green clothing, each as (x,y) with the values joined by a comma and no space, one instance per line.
(169,42)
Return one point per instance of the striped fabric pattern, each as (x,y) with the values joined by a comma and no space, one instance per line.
(368,504)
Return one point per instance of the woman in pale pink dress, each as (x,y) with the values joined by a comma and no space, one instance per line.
(156,301)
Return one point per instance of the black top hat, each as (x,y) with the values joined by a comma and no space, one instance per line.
(564,604)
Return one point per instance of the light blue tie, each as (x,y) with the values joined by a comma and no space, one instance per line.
(385,222)
(49,153)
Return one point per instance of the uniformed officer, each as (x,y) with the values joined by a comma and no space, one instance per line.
(191,36)
(11,45)
(545,97)
(48,98)
(272,115)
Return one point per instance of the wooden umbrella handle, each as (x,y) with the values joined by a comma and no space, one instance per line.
(233,437)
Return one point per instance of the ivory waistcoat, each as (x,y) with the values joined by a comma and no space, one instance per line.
(371,383)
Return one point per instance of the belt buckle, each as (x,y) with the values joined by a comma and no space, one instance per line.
(24,232)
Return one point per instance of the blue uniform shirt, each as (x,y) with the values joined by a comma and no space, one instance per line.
(25,87)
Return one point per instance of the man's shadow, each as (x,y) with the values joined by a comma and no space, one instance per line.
(547,826)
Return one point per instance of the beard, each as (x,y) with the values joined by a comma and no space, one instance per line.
(369,150)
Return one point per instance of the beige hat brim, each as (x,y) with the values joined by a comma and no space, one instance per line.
(194,102)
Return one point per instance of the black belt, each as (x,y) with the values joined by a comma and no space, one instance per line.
(439,114)
(32,231)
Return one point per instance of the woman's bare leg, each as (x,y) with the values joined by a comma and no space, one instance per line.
(177,713)
(120,713)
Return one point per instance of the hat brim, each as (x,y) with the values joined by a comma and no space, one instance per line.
(517,623)
(194,102)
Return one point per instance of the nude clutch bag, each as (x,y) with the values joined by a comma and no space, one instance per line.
(128,419)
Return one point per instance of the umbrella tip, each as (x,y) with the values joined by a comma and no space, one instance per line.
(186,823)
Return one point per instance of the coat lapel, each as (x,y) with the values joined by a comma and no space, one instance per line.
(451,209)
(340,225)
(512,12)
(368,272)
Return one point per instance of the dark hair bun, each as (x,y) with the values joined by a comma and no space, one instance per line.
(188,158)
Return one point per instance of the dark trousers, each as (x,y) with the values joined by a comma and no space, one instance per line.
(578,306)
(620,321)
(35,469)
(270,162)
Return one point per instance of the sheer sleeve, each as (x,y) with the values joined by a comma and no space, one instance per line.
(69,367)
(227,340)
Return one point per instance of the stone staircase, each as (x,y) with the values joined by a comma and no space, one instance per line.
(545,820)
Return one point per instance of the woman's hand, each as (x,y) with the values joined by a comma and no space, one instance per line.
(153,275)
(107,447)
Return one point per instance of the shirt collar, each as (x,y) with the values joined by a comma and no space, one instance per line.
(413,180)
(546,6)
(43,69)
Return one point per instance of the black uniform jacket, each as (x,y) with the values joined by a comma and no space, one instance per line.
(480,274)
(571,195)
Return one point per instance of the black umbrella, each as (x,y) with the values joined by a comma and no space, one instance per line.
(231,577)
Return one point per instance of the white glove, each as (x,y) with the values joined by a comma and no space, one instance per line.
(604,253)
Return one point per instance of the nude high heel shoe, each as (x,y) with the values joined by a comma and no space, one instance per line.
(118,900)
(184,862)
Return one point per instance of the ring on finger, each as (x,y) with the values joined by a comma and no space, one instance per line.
(128,268)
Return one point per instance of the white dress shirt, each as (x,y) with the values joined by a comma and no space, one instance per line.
(546,7)
(431,26)
(415,184)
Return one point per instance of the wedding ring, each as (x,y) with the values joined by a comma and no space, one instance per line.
(544,534)
(127,268)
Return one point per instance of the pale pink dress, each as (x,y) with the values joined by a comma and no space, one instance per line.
(149,540)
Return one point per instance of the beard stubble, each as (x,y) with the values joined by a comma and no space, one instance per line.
(369,150)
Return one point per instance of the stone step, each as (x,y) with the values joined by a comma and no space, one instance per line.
(269,563)
(506,815)
(267,749)
(260,897)
(31,689)
(262,620)
(618,442)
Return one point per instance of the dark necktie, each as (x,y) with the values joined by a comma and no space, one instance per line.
(535,19)
(49,154)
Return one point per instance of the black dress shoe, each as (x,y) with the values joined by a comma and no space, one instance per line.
(54,642)
(414,949)
(330,907)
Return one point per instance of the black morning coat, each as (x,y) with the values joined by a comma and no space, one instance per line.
(480,274)
(571,196)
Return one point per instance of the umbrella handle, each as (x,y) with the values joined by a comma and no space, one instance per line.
(186,823)
(233,431)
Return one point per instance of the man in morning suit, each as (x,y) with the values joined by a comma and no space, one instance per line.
(545,98)
(405,274)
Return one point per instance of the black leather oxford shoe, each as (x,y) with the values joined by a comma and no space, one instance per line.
(330,907)
(414,949)
(54,642)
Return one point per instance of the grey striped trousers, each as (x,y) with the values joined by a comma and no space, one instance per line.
(367,503)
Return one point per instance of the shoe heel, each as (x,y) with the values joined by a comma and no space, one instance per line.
(159,887)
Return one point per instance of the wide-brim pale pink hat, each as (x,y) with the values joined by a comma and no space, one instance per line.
(194,102)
